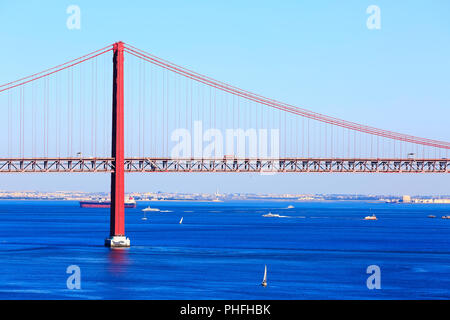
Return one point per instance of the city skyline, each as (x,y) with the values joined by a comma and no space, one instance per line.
(180,196)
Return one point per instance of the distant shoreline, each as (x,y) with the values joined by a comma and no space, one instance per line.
(238,200)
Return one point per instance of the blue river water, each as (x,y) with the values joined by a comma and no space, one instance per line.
(315,250)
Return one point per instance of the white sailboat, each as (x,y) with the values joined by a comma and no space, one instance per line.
(144,217)
(181,221)
(264,282)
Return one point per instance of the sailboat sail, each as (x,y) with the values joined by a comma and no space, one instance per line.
(264,282)
(181,221)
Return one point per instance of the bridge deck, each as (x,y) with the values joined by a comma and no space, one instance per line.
(298,165)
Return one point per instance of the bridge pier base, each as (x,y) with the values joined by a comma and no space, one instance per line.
(117,242)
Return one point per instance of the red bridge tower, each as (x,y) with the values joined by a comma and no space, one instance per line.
(117,236)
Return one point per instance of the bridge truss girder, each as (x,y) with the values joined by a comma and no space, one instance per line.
(285,165)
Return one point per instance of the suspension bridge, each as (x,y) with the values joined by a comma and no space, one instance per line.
(160,117)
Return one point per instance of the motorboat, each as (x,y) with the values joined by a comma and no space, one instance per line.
(150,209)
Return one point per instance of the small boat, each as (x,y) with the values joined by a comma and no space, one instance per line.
(181,221)
(431,216)
(372,217)
(105,203)
(445,217)
(270,214)
(290,207)
(150,209)
(144,217)
(264,282)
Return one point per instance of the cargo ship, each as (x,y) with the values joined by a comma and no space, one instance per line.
(129,203)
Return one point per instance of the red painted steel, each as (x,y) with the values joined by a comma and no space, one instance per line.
(48,72)
(117,223)
(233,165)
(279,105)
(232,90)
(118,165)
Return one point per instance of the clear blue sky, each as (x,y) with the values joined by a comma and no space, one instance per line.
(314,54)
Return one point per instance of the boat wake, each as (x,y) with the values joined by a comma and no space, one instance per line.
(274,215)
